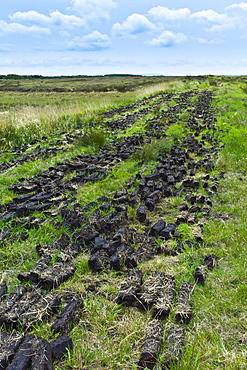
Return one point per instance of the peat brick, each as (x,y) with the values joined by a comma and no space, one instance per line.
(130,287)
(150,204)
(42,360)
(33,274)
(211,261)
(117,221)
(182,217)
(150,184)
(140,255)
(55,275)
(163,305)
(169,190)
(118,259)
(141,213)
(68,317)
(153,177)
(86,235)
(60,346)
(11,317)
(9,344)
(200,274)
(41,310)
(168,231)
(150,289)
(125,235)
(157,228)
(98,243)
(23,357)
(109,247)
(174,347)
(184,312)
(16,294)
(101,224)
(152,340)
(50,249)
(99,261)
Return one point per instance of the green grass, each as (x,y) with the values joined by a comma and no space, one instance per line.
(110,336)
(117,178)
(20,256)
(150,151)
(55,106)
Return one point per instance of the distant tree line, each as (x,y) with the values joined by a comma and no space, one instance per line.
(18,77)
(13,76)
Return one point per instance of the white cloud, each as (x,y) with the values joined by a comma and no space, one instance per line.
(6,47)
(211,20)
(30,16)
(238,14)
(91,9)
(134,24)
(219,22)
(92,42)
(222,27)
(19,28)
(164,13)
(210,16)
(240,6)
(55,18)
(214,41)
(167,39)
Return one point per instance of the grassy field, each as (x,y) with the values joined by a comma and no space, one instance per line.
(32,108)
(109,335)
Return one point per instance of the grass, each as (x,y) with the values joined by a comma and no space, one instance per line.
(150,151)
(110,336)
(21,254)
(220,316)
(117,178)
(47,113)
(93,139)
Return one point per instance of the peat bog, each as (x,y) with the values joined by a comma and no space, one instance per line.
(118,237)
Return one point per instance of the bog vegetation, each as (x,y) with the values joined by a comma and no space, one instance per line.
(84,148)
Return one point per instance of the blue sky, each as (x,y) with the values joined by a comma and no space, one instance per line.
(71,37)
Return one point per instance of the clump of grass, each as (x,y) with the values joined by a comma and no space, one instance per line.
(184,116)
(185,232)
(150,151)
(94,139)
(175,131)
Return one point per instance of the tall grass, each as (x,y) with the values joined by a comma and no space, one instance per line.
(175,85)
(29,122)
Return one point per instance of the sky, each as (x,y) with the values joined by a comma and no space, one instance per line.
(147,37)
